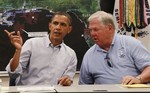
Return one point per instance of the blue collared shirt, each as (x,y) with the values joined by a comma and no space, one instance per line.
(43,64)
(127,56)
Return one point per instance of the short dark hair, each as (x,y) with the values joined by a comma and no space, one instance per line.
(62,13)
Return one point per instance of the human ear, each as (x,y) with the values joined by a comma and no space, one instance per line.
(49,26)
(69,29)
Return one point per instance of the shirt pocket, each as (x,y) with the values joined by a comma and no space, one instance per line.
(123,59)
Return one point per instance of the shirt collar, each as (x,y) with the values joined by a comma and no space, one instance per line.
(114,39)
(49,43)
(112,44)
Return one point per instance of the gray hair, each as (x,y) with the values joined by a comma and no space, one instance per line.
(103,17)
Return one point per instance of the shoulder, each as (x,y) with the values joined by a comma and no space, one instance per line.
(129,40)
(91,50)
(68,49)
(127,37)
(35,40)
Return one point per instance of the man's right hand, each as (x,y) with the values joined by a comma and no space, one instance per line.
(16,40)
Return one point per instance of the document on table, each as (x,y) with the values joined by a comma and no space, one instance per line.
(35,88)
(137,86)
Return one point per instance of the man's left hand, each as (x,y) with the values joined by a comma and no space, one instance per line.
(128,80)
(65,81)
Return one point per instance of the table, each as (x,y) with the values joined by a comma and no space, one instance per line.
(100,88)
(105,88)
(28,89)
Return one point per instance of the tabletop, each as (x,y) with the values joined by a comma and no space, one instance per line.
(104,88)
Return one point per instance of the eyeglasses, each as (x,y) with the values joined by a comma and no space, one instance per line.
(108,60)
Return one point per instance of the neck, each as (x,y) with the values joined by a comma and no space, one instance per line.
(55,42)
(106,46)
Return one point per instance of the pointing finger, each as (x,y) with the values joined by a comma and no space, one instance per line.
(6,32)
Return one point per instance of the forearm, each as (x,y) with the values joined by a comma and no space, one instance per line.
(145,75)
(15,61)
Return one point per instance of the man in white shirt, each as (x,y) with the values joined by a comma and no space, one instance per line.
(45,60)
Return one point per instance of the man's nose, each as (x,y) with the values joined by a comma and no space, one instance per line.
(92,32)
(58,26)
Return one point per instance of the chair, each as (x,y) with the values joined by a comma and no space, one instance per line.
(12,81)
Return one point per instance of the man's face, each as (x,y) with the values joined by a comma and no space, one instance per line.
(99,32)
(59,27)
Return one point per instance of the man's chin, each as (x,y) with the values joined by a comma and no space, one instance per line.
(58,38)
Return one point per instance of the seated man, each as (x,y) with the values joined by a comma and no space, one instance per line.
(45,60)
(115,58)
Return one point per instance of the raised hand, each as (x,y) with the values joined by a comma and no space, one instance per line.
(15,39)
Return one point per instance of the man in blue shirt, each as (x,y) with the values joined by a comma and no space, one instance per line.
(115,58)
(45,60)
